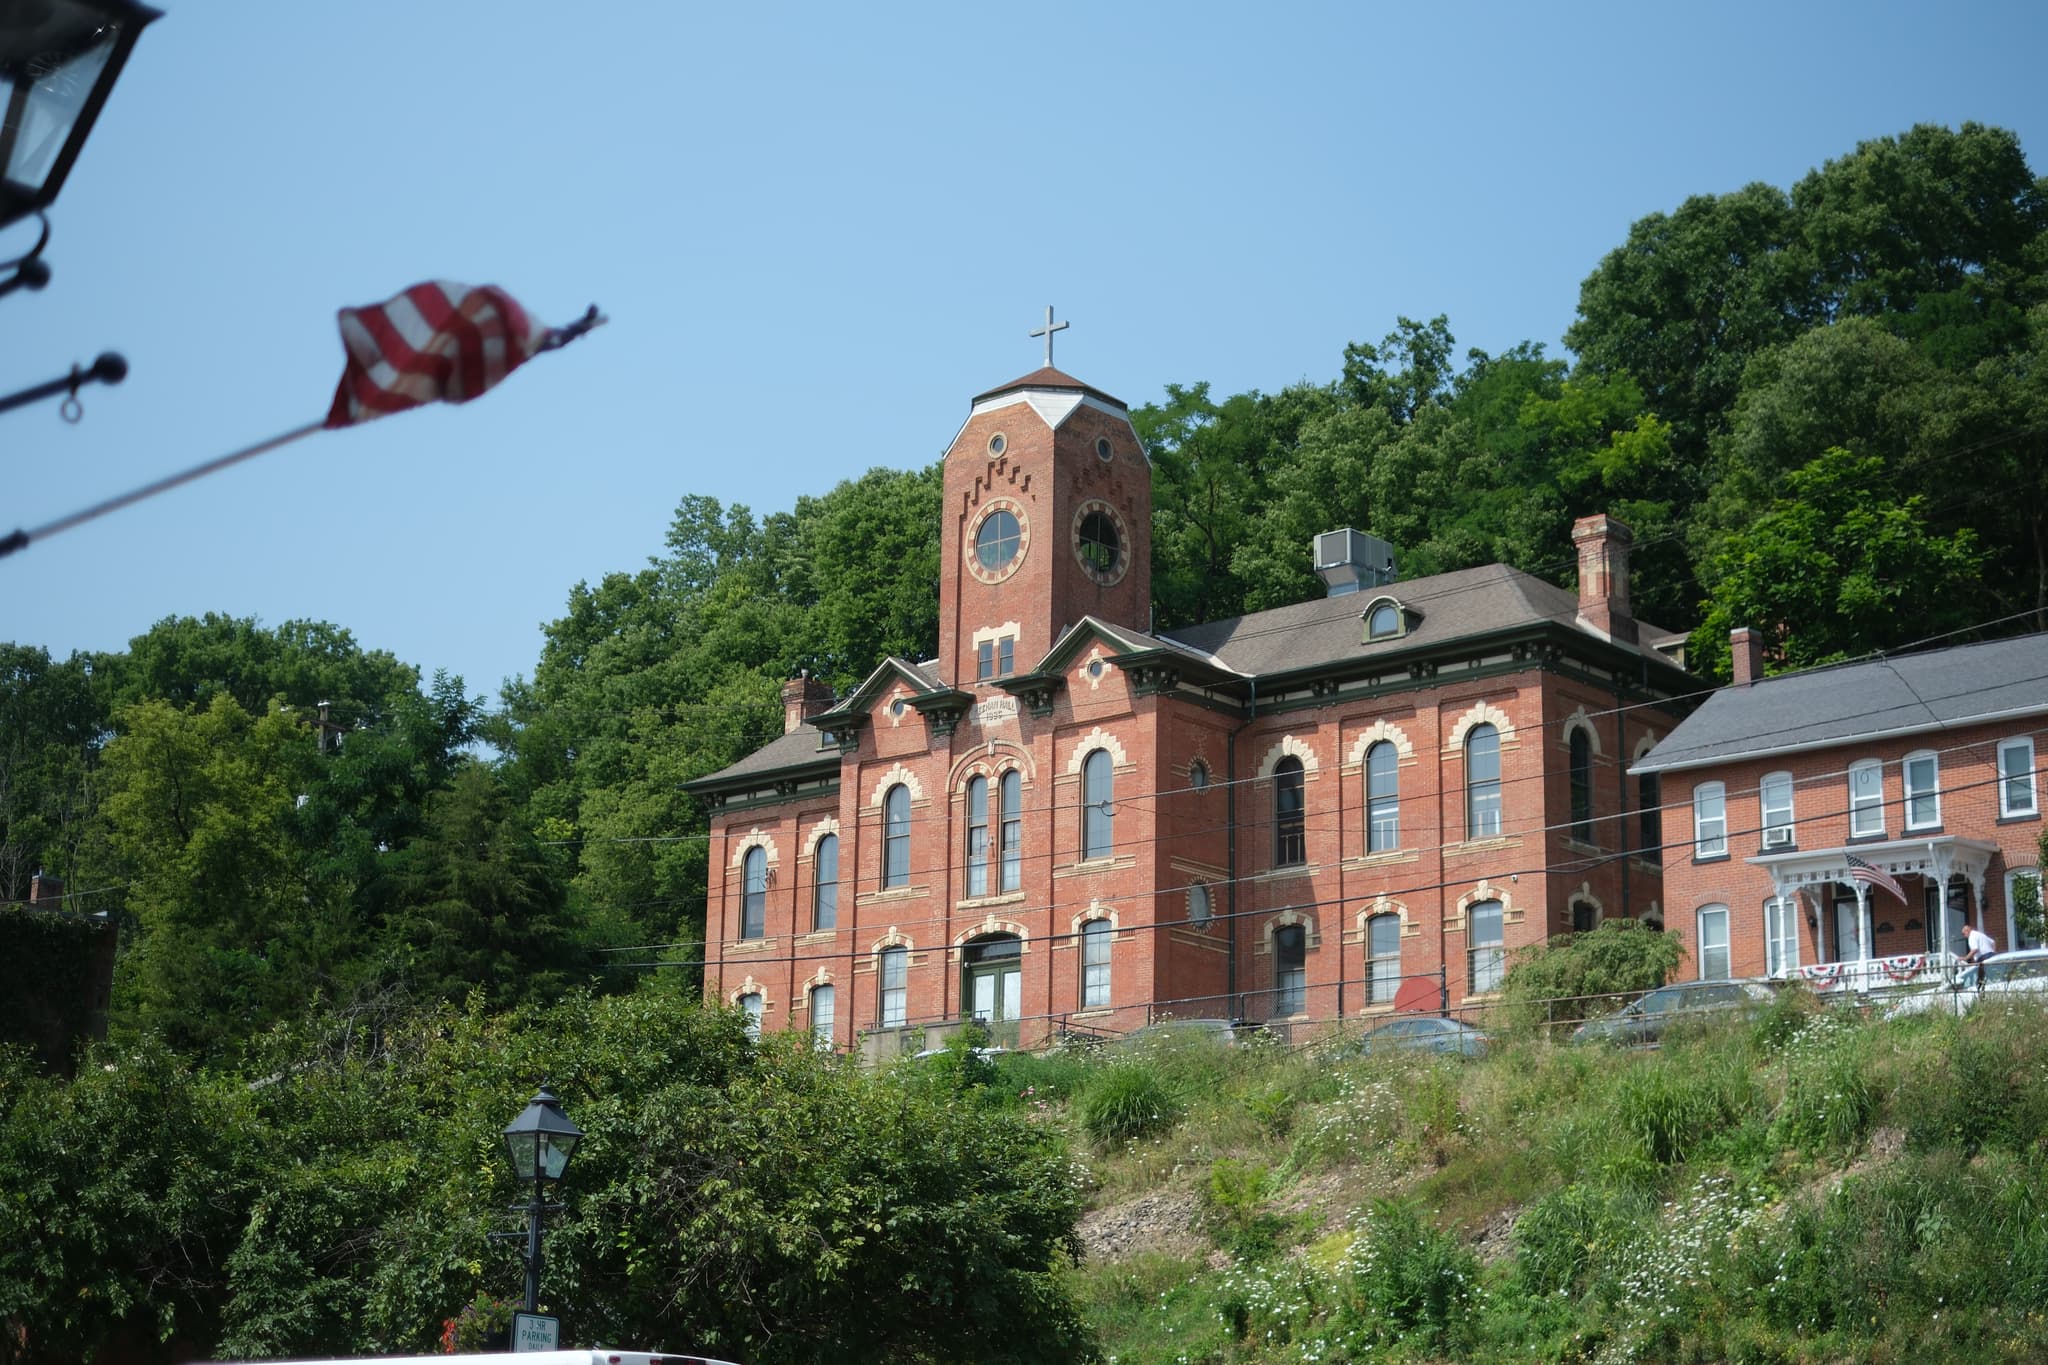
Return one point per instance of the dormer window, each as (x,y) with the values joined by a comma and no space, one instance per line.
(1387,619)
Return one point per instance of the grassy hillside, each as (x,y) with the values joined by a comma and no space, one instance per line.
(1808,1186)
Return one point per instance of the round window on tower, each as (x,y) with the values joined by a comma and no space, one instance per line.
(1101,542)
(997,444)
(998,542)
(1103,447)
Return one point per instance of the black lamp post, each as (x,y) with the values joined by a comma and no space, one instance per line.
(58,61)
(541,1141)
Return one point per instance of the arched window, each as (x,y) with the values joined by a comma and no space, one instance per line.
(1923,790)
(1585,915)
(1382,798)
(1200,907)
(1290,970)
(824,1006)
(1482,783)
(1098,805)
(752,1003)
(893,972)
(1486,950)
(896,836)
(1650,810)
(1095,964)
(1866,799)
(1709,820)
(754,893)
(1781,935)
(1011,792)
(825,884)
(1774,802)
(1714,943)
(1290,816)
(1383,621)
(977,836)
(1582,786)
(1382,958)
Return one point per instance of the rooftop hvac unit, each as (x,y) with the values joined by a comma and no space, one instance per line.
(1349,561)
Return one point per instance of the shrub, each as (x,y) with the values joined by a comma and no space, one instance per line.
(1126,1101)
(1411,1280)
(1234,1209)
(1555,982)
(1670,1106)
(1559,1236)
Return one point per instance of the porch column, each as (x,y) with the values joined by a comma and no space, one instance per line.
(1862,920)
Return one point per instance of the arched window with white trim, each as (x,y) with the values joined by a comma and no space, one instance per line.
(1290,813)
(1713,943)
(896,837)
(1866,799)
(1382,798)
(1482,783)
(1774,804)
(977,836)
(1923,790)
(892,973)
(754,893)
(825,883)
(1709,820)
(1382,958)
(1098,805)
(824,1010)
(1095,942)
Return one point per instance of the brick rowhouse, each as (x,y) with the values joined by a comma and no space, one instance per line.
(1923,766)
(1069,820)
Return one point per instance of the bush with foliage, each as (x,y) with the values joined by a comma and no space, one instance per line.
(1127,1101)
(1574,976)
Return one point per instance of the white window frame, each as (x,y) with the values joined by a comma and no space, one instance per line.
(977,836)
(1781,935)
(2012,928)
(1928,795)
(1715,952)
(892,965)
(754,893)
(1484,814)
(1010,830)
(1774,807)
(1485,960)
(1098,805)
(753,1004)
(1095,981)
(2016,779)
(1382,798)
(824,1013)
(1869,803)
(1382,960)
(1710,820)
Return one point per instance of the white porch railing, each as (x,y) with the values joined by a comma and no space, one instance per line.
(1875,975)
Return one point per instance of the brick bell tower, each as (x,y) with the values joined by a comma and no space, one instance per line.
(1048,518)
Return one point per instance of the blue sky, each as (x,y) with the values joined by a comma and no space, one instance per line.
(818,231)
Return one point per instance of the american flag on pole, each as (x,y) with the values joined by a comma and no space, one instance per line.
(1870,874)
(436,342)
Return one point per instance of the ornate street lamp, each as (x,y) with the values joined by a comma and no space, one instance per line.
(541,1141)
(58,61)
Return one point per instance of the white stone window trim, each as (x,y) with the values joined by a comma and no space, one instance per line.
(1289,746)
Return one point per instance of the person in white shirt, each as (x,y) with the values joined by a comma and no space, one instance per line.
(1980,947)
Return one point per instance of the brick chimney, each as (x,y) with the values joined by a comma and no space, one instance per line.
(1746,647)
(802,698)
(1603,545)
(43,887)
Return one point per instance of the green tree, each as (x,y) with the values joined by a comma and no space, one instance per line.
(50,729)
(200,813)
(1840,565)
(1567,977)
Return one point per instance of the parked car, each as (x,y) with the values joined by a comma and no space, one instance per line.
(1181,1033)
(2009,975)
(1645,1020)
(1422,1033)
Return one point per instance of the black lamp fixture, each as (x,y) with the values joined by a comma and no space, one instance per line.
(58,61)
(541,1141)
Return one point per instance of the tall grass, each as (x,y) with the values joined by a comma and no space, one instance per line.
(1807,1187)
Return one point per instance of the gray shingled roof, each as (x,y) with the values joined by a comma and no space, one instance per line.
(1842,703)
(800,746)
(1327,629)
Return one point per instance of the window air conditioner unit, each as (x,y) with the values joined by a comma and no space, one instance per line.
(1778,836)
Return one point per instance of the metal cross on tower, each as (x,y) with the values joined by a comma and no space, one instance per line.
(1047,331)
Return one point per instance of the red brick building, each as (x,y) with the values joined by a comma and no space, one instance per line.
(1069,819)
(1796,796)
